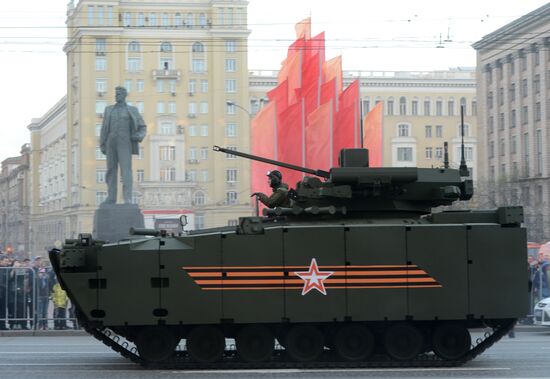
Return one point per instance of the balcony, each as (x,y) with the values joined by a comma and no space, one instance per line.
(166,74)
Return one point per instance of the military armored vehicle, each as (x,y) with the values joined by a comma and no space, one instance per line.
(358,272)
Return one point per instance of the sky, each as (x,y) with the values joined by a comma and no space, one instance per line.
(391,35)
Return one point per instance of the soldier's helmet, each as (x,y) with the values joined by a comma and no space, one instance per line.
(275,174)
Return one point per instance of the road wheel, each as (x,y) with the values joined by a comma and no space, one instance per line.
(304,343)
(255,343)
(354,342)
(451,341)
(403,342)
(206,344)
(156,343)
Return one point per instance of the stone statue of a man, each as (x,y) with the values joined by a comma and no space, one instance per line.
(123,128)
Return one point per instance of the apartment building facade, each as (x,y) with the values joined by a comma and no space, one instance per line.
(184,65)
(513,83)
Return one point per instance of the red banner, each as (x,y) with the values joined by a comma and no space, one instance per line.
(372,135)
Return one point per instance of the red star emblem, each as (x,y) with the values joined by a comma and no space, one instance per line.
(313,278)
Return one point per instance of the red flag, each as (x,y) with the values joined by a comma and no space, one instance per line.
(316,45)
(343,133)
(292,71)
(318,138)
(279,95)
(332,69)
(372,139)
(264,139)
(347,124)
(303,29)
(289,142)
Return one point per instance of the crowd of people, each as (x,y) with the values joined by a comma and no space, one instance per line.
(31,297)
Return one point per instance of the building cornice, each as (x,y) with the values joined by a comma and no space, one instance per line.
(509,32)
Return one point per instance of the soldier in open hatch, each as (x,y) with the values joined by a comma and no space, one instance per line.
(279,197)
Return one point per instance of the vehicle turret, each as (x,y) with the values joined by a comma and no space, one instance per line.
(356,190)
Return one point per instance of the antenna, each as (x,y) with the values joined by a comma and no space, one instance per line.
(463,168)
(446,154)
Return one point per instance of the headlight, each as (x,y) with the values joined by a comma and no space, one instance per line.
(541,304)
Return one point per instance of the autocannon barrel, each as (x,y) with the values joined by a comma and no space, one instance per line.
(321,173)
(144,232)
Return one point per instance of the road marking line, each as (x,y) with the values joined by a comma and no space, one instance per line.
(265,371)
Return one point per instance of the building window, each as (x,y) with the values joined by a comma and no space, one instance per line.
(414,108)
(153,19)
(191,176)
(230,46)
(101,85)
(98,130)
(404,154)
(512,92)
(231,197)
(231,175)
(141,153)
(230,108)
(232,222)
(451,108)
(99,155)
(230,65)
(192,130)
(172,107)
(428,131)
(160,107)
(204,153)
(197,65)
(538,150)
(536,83)
(167,128)
(403,106)
(191,86)
(192,153)
(230,85)
(439,107)
(538,111)
(140,176)
(168,174)
(190,20)
(178,20)
(389,105)
(427,107)
(204,130)
(100,64)
(366,106)
(100,107)
(524,114)
(127,19)
(203,107)
(439,153)
(428,153)
(231,130)
(165,47)
(100,46)
(165,20)
(491,149)
(134,47)
(513,145)
(501,124)
(474,108)
(403,130)
(140,85)
(439,131)
(524,88)
(167,153)
(231,156)
(198,198)
(466,130)
(134,64)
(100,175)
(204,85)
(204,175)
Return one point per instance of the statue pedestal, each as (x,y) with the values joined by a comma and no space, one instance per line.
(113,221)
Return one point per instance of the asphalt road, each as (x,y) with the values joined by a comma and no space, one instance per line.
(82,357)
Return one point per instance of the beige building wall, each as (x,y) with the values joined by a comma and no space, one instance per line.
(181,62)
(513,83)
(48,178)
(421,112)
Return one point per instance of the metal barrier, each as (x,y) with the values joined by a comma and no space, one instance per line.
(25,301)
